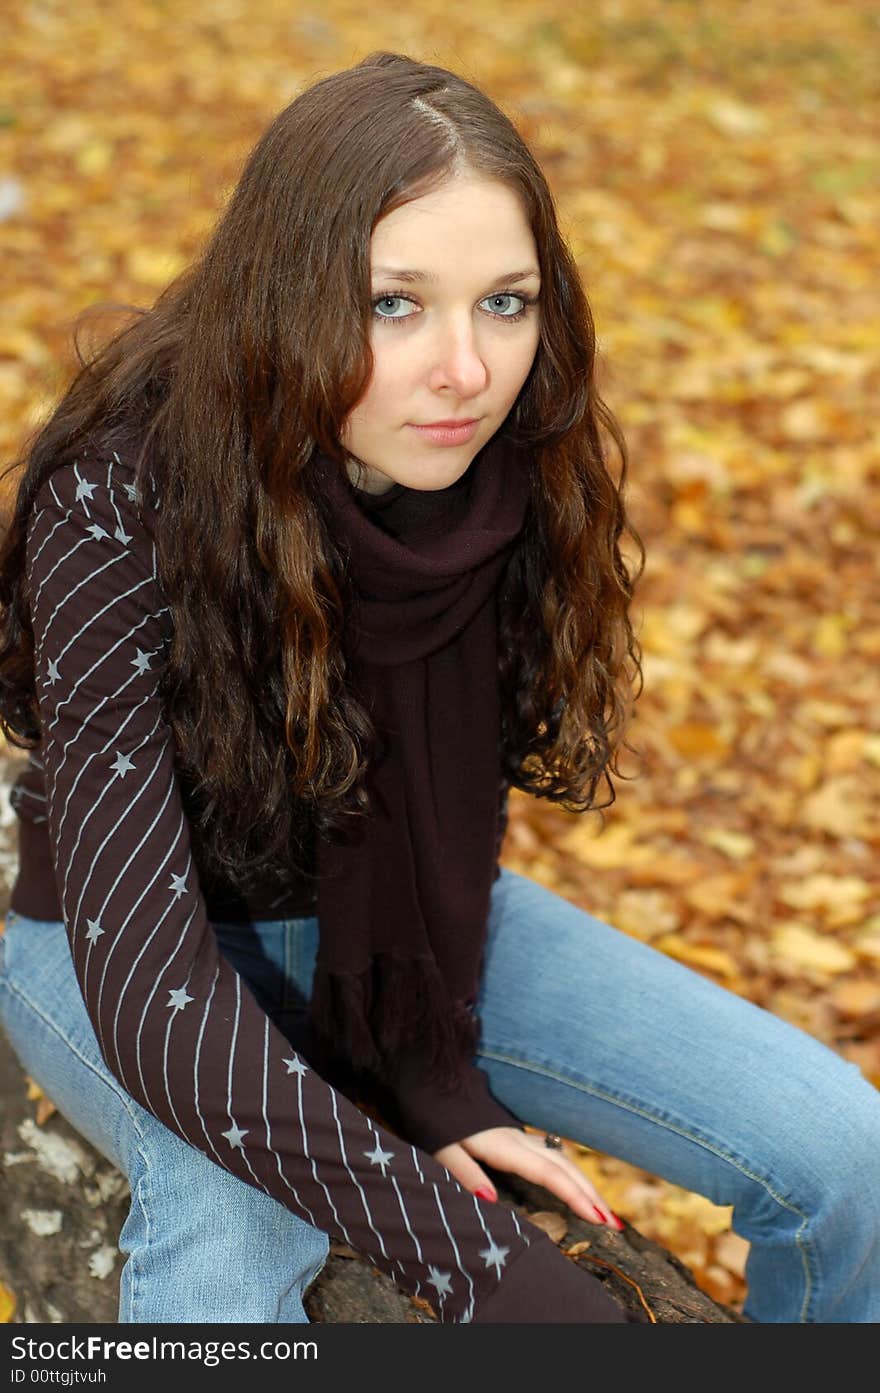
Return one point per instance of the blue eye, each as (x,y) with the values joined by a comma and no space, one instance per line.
(388,306)
(506,305)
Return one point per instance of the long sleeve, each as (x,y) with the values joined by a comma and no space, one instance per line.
(175,1023)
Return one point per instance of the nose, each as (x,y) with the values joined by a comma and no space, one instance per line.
(458,363)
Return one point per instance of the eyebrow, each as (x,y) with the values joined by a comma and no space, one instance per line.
(410,277)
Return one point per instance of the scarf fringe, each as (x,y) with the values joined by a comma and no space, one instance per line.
(384,1017)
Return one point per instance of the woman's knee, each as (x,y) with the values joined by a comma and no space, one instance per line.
(821,1150)
(203,1245)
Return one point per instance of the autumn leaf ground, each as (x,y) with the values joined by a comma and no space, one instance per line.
(717,169)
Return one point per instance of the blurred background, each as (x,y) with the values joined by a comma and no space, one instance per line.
(717,170)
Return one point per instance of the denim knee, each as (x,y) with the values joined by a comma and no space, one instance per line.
(203,1245)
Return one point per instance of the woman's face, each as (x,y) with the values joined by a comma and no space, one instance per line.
(455,329)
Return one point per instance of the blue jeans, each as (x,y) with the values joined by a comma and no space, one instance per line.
(586,1032)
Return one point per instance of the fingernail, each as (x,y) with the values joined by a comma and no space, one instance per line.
(603,1217)
(486,1194)
(619,1222)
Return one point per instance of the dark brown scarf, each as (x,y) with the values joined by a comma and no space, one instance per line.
(403,903)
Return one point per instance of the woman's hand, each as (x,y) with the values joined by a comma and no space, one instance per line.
(525,1154)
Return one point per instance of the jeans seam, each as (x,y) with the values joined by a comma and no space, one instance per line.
(110,1081)
(681,1131)
(137,1252)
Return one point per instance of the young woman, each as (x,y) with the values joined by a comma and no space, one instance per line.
(313,561)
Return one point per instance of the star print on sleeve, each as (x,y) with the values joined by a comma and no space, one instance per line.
(142,661)
(132,492)
(95,930)
(441,1280)
(122,764)
(97,531)
(494,1256)
(234,1136)
(295,1066)
(178,999)
(178,885)
(378,1157)
(84,489)
(54,674)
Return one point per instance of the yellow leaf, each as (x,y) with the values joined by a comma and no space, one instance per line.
(711,1219)
(94,157)
(839,806)
(644,914)
(845,750)
(615,847)
(154,266)
(714,895)
(697,955)
(801,949)
(45,1109)
(666,869)
(822,891)
(867,944)
(694,739)
(735,118)
(7,1304)
(831,635)
(736,845)
(22,344)
(803,420)
(855,999)
(732,1251)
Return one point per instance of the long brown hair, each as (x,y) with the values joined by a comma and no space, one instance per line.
(247,364)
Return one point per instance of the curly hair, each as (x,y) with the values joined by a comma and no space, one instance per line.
(245,366)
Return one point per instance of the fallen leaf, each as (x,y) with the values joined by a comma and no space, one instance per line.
(867,945)
(840,808)
(44,1110)
(7,1304)
(697,955)
(801,949)
(424,1305)
(716,895)
(695,740)
(732,1251)
(736,845)
(550,1222)
(823,891)
(577,1248)
(616,846)
(856,999)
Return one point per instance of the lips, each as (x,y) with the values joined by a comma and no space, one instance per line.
(448,432)
(453,424)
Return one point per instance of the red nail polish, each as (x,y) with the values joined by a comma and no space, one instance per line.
(486,1194)
(618,1222)
(602,1215)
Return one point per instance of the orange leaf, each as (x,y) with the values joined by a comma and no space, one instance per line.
(7,1304)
